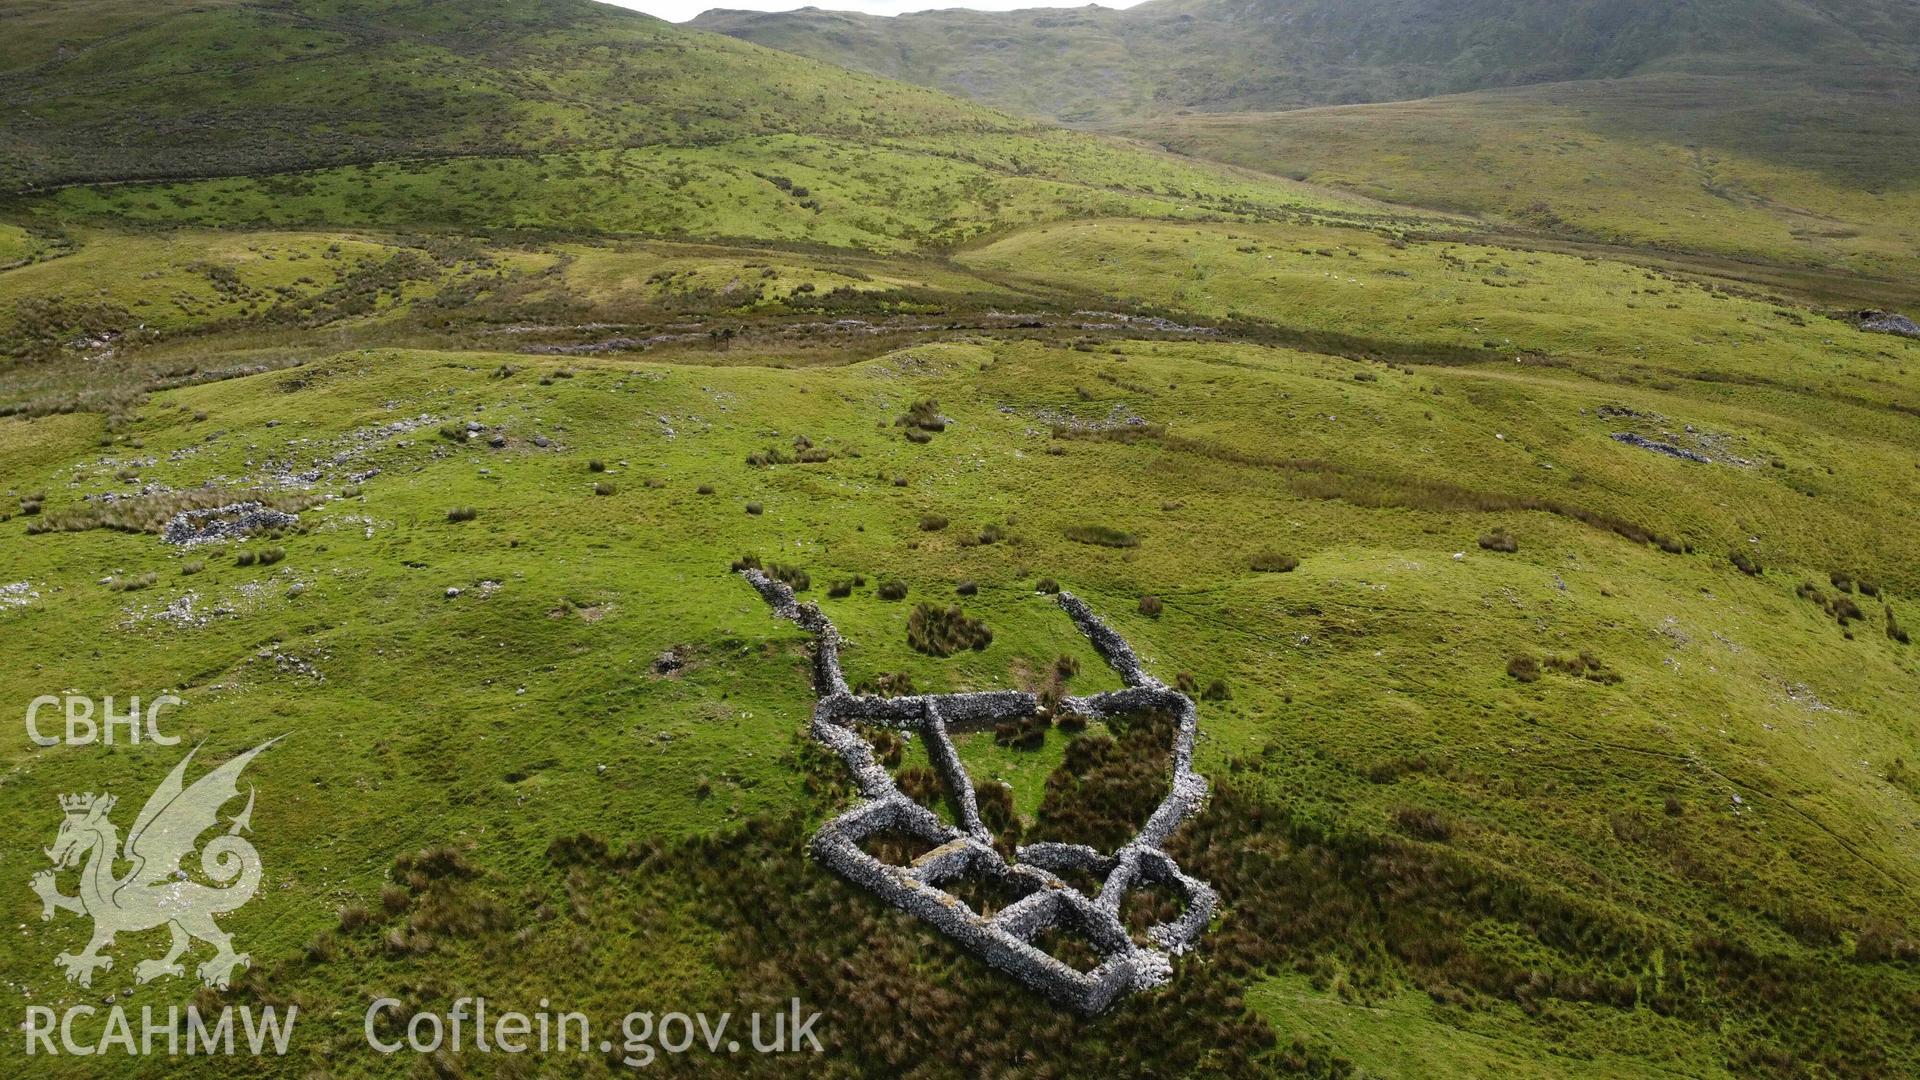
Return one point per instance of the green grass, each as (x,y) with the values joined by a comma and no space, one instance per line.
(1379,626)
(1796,176)
(1131,373)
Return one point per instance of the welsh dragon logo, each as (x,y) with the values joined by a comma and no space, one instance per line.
(156,891)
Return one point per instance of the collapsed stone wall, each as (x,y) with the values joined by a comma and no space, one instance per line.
(1006,938)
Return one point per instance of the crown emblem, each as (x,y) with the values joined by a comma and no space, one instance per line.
(74,804)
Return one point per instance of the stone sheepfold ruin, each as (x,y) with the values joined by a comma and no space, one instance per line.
(1005,939)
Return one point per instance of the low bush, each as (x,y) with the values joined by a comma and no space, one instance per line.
(939,631)
(1268,562)
(966,588)
(1424,824)
(1524,668)
(1584,665)
(893,590)
(932,523)
(922,418)
(794,577)
(1102,536)
(1744,563)
(1046,585)
(1499,540)
(462,513)
(755,509)
(1151,607)
(603,488)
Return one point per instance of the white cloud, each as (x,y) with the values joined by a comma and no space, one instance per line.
(682,10)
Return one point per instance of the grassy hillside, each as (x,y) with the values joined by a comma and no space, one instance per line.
(140,90)
(1560,603)
(1093,64)
(1681,163)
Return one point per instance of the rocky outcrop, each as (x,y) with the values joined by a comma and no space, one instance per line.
(1887,322)
(963,851)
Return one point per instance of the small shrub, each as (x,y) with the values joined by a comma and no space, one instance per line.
(1524,668)
(597,466)
(1841,581)
(132,584)
(269,556)
(922,417)
(1424,824)
(1268,562)
(795,578)
(1150,606)
(245,558)
(893,590)
(755,509)
(1894,629)
(1046,585)
(1027,733)
(1499,540)
(1744,563)
(840,589)
(1065,667)
(703,489)
(1216,691)
(1583,665)
(462,513)
(932,523)
(1102,536)
(991,534)
(192,567)
(603,488)
(746,562)
(966,588)
(944,631)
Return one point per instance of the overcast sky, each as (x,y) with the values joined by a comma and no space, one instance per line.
(682,10)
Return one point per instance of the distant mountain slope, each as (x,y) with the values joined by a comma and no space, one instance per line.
(116,89)
(1094,64)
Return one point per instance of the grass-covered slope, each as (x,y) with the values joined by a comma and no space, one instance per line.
(127,90)
(1799,176)
(1550,613)
(1093,64)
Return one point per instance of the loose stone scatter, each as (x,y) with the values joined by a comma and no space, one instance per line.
(1006,938)
(230,522)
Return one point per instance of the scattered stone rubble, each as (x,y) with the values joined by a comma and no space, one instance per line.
(17,595)
(1668,449)
(1006,938)
(217,524)
(1888,322)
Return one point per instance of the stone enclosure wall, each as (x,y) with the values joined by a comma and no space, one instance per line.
(959,852)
